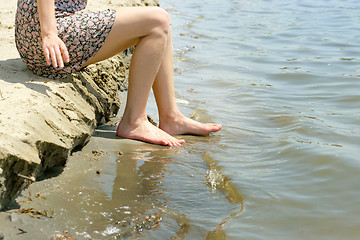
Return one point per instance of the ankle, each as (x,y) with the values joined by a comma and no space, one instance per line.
(134,121)
(170,118)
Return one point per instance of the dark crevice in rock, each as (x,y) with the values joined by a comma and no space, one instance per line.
(51,154)
(12,183)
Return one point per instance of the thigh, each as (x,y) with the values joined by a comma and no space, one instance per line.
(129,26)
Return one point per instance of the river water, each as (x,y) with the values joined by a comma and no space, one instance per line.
(282,77)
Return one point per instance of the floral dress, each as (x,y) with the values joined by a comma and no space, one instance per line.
(82,32)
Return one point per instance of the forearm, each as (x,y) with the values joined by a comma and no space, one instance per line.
(46,10)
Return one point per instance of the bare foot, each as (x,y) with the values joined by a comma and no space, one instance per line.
(145,131)
(184,125)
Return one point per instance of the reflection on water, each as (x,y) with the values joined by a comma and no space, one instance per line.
(136,191)
(217,181)
(134,182)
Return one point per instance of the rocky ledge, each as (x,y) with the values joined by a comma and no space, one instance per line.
(41,120)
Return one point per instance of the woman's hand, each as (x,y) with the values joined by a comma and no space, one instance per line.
(55,51)
(54,48)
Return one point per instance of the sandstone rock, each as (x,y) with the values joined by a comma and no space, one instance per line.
(41,125)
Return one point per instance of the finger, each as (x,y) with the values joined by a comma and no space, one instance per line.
(53,57)
(47,56)
(59,57)
(65,53)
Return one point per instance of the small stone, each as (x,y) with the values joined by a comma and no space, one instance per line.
(14,217)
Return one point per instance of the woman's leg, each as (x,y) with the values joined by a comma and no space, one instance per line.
(171,119)
(147,28)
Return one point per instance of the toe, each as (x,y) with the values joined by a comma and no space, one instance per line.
(164,142)
(214,127)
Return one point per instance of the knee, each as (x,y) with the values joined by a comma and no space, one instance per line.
(162,20)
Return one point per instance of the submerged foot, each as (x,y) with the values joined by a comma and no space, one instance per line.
(184,125)
(146,132)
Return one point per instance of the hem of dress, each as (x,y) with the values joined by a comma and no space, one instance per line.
(106,34)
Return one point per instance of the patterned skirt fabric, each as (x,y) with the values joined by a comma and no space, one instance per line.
(82,32)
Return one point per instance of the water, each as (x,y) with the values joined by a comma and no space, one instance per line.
(283,79)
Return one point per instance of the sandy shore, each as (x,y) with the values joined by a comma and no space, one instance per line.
(60,203)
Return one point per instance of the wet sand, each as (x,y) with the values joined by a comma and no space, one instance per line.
(62,201)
